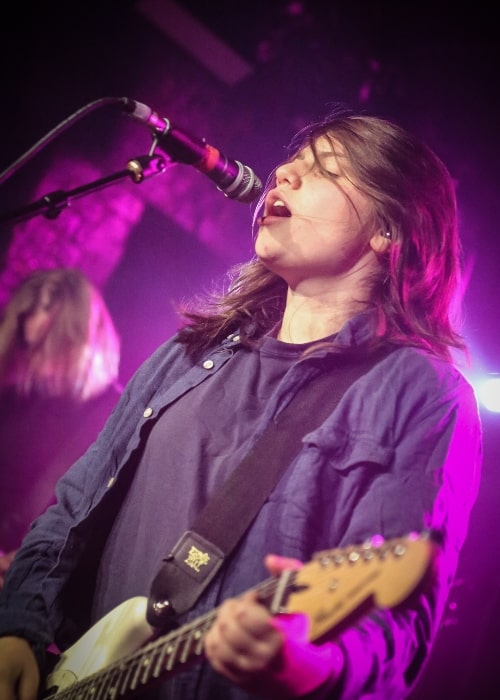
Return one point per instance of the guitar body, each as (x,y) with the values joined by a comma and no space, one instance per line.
(119,633)
(122,655)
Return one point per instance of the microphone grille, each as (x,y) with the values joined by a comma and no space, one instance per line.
(246,188)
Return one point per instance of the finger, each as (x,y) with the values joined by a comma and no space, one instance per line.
(244,620)
(276,564)
(293,625)
(242,640)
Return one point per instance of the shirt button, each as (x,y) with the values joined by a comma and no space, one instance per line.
(208,364)
(148,412)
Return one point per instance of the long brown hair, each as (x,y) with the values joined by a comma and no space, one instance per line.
(418,290)
(80,355)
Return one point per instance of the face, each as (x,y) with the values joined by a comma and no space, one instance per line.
(37,323)
(317,226)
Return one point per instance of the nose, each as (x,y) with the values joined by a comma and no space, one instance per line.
(286,174)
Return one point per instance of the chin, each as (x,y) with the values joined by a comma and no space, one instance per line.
(265,247)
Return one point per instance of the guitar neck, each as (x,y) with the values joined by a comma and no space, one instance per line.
(164,656)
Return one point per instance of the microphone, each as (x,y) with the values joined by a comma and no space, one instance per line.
(235,180)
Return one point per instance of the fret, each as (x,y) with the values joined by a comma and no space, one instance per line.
(127,681)
(138,665)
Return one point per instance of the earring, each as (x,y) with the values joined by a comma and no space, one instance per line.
(386,234)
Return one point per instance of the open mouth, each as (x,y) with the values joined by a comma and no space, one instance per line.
(277,208)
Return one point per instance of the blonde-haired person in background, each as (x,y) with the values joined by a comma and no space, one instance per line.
(59,366)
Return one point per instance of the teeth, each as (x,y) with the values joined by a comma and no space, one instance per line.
(279,208)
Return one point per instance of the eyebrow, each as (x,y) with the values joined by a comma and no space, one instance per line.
(331,154)
(319,154)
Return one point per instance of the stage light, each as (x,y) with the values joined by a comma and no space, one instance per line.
(488,392)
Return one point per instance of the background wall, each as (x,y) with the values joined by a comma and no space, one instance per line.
(246,77)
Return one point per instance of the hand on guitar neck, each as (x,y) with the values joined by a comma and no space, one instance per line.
(269,655)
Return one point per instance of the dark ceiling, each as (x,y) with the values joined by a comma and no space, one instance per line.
(431,66)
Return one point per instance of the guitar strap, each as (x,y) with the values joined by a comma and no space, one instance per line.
(201,551)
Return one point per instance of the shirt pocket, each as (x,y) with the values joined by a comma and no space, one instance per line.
(346,451)
(337,484)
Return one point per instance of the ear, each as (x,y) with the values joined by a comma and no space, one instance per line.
(380,242)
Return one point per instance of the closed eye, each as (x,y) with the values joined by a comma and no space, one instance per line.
(328,173)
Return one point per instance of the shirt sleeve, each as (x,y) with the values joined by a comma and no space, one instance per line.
(432,485)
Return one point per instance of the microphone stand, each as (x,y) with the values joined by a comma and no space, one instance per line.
(51,205)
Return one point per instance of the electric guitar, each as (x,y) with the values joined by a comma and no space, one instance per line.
(121,656)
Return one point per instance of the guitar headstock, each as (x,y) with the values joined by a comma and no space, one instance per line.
(340,583)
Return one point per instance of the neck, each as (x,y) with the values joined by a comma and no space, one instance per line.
(307,319)
(317,307)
